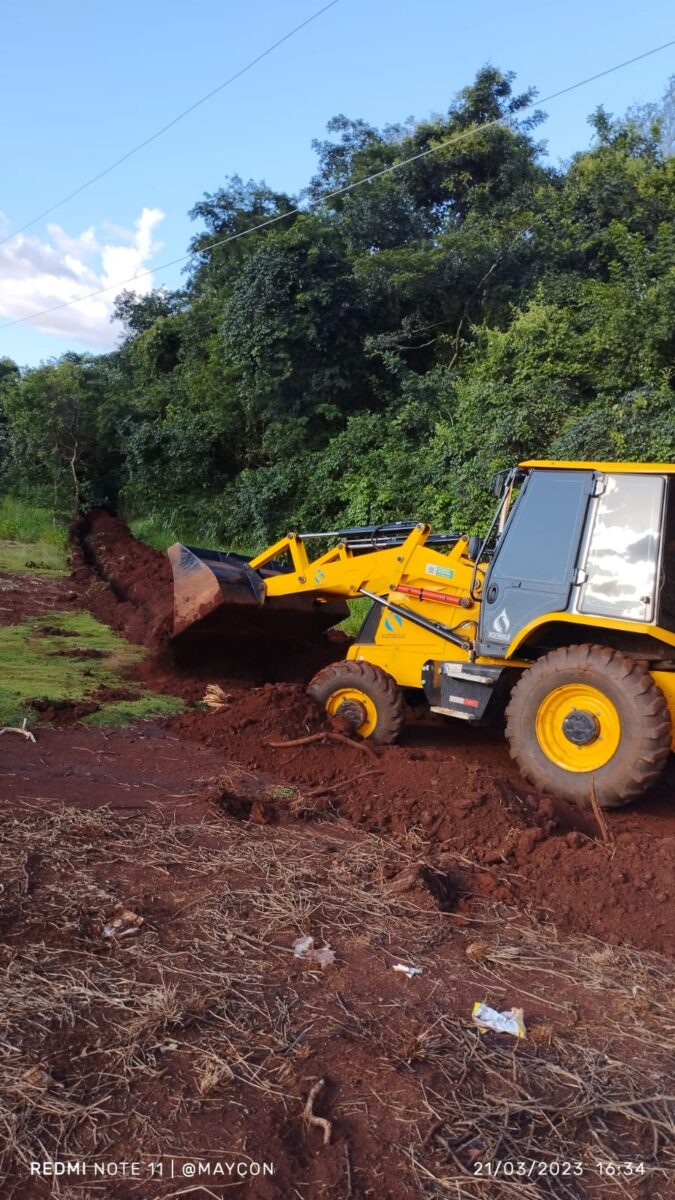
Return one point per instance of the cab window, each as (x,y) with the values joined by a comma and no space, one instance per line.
(623,549)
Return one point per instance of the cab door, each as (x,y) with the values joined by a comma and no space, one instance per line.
(533,569)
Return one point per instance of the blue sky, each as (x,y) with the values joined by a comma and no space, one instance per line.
(86,81)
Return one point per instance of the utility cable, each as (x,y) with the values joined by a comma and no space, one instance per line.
(170,124)
(451,141)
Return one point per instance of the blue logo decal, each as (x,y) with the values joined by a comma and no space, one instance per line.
(392,622)
(319,577)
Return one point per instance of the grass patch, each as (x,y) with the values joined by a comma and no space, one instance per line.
(160,533)
(29,534)
(36,663)
(21,522)
(150,531)
(125,712)
(38,558)
(358,611)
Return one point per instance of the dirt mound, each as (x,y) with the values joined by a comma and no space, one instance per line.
(253,716)
(138,599)
(448,790)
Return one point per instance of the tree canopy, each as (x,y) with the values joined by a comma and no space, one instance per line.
(379,353)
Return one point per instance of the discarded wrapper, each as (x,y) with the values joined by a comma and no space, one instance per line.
(511,1021)
(405,970)
(303,947)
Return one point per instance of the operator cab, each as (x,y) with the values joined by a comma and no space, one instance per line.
(579,540)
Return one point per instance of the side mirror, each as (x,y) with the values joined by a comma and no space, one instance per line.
(498,483)
(473,547)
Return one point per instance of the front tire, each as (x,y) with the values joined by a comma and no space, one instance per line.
(364,695)
(587,717)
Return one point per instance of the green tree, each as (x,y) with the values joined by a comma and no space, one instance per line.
(61,434)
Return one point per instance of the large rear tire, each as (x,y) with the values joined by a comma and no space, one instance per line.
(589,718)
(364,695)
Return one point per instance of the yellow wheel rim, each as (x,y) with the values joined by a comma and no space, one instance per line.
(354,696)
(578,711)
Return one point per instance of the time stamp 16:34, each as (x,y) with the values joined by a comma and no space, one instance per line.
(522,1168)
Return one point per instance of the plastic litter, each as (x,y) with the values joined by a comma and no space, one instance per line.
(303,947)
(123,925)
(510,1021)
(405,970)
(324,956)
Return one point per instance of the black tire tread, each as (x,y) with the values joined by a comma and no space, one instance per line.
(641,771)
(376,683)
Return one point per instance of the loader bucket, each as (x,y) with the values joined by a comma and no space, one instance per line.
(220,595)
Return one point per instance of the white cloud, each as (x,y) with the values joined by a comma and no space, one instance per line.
(37,273)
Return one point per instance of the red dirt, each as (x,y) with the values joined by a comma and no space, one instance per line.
(23,596)
(459,791)
(137,768)
(63,713)
(138,598)
(473,865)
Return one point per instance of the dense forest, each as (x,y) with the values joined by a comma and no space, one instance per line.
(379,354)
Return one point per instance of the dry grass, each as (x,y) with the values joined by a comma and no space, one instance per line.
(207,1009)
(630,989)
(574,1103)
(97,1018)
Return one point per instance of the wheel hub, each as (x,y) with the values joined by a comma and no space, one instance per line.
(581,727)
(353,712)
(578,727)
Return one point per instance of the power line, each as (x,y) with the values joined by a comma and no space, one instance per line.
(170,124)
(451,141)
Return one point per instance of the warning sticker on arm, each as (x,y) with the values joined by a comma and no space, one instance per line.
(439,571)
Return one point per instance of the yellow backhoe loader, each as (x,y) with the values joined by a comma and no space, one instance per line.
(562,616)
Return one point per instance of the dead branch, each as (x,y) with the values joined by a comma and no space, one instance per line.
(321,737)
(309,1116)
(19,729)
(334,787)
(348,1166)
(605,832)
(303,741)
